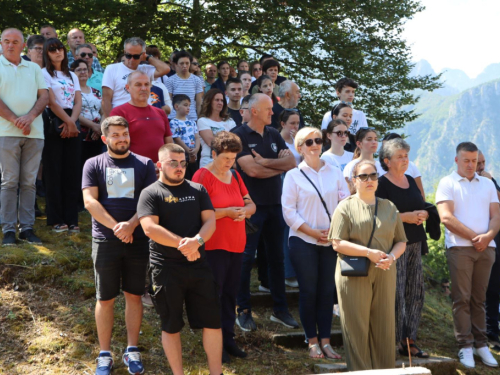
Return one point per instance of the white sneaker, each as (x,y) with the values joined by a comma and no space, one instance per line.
(486,356)
(264,289)
(466,357)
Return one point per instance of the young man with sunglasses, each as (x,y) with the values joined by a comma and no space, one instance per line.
(111,184)
(178,217)
(115,76)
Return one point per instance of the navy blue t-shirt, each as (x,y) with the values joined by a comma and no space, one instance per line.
(120,183)
(264,191)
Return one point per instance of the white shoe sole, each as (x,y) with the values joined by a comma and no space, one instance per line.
(482,360)
(242,328)
(467,366)
(276,320)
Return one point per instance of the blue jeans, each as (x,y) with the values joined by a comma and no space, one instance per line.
(271,225)
(315,268)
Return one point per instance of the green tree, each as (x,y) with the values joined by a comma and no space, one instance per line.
(317,41)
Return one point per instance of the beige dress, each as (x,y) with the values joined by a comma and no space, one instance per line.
(367,304)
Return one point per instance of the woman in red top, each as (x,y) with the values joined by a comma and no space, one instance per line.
(224,250)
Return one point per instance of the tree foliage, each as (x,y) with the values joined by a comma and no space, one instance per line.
(317,41)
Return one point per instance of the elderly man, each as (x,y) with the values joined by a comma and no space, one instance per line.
(289,93)
(469,209)
(148,126)
(48,31)
(23,97)
(114,81)
(35,49)
(84,52)
(264,158)
(211,74)
(75,38)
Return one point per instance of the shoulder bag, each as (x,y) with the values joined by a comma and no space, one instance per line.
(55,122)
(250,228)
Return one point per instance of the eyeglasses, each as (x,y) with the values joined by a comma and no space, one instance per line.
(83,70)
(256,69)
(89,54)
(364,177)
(342,134)
(309,142)
(243,108)
(55,48)
(38,49)
(176,163)
(136,57)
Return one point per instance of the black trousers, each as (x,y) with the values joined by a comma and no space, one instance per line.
(62,172)
(493,294)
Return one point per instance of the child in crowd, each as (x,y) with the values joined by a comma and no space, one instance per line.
(185,132)
(341,112)
(266,86)
(337,133)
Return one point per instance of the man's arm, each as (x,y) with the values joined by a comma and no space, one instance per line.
(6,113)
(284,162)
(189,246)
(107,97)
(168,139)
(199,99)
(446,211)
(161,67)
(482,241)
(157,233)
(251,168)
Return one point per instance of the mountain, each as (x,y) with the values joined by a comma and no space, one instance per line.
(422,68)
(491,73)
(471,115)
(457,79)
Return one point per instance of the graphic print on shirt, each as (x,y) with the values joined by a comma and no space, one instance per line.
(68,91)
(120,183)
(353,127)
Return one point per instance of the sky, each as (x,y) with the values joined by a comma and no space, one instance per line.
(456,34)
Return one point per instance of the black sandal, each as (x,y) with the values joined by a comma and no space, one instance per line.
(419,354)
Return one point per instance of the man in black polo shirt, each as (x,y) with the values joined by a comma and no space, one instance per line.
(178,217)
(264,158)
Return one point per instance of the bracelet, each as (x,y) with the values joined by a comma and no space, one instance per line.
(368,253)
(393,256)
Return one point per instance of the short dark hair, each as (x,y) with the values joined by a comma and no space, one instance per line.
(246,99)
(270,64)
(47,25)
(178,98)
(170,147)
(345,82)
(34,40)
(84,45)
(226,142)
(336,109)
(265,56)
(467,147)
(232,80)
(181,54)
(112,121)
(75,64)
(223,62)
(390,136)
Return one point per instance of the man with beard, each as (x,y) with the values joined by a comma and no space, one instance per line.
(111,184)
(178,217)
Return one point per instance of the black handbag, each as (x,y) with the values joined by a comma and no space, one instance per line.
(250,228)
(357,266)
(55,122)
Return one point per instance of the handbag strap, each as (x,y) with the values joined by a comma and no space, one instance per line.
(374,223)
(319,194)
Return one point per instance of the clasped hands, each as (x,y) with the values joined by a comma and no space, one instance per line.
(481,242)
(419,216)
(189,248)
(382,260)
(124,231)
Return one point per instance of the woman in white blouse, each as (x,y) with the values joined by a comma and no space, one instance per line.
(311,193)
(62,150)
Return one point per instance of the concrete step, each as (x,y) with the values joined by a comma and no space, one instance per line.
(395,371)
(293,340)
(261,299)
(438,366)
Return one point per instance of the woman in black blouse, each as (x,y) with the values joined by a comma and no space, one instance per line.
(403,191)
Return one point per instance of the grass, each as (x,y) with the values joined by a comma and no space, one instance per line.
(47,320)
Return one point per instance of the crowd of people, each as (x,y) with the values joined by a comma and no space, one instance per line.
(189,178)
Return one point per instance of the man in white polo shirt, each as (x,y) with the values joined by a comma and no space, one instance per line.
(469,209)
(23,97)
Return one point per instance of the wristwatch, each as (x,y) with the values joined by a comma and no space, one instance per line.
(200,240)
(147,57)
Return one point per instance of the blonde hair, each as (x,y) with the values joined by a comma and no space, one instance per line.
(303,133)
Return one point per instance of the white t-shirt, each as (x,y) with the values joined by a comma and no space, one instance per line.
(115,77)
(205,123)
(358,121)
(413,170)
(295,153)
(63,87)
(350,166)
(471,200)
(338,161)
(190,87)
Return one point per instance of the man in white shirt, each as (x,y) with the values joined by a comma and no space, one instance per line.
(115,75)
(469,209)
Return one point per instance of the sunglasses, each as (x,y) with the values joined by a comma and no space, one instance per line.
(341,133)
(256,69)
(55,48)
(128,56)
(364,177)
(175,163)
(89,54)
(309,142)
(195,63)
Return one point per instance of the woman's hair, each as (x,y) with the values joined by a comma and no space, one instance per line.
(336,109)
(352,187)
(302,134)
(220,65)
(243,72)
(226,142)
(119,58)
(206,106)
(47,63)
(286,114)
(260,82)
(360,135)
(75,64)
(270,64)
(389,148)
(241,61)
(252,65)
(331,127)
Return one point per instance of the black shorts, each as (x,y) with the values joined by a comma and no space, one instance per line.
(174,284)
(119,264)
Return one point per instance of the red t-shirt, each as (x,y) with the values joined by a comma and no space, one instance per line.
(229,234)
(148,127)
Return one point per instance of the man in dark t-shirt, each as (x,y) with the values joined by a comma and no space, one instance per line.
(234,89)
(111,184)
(178,217)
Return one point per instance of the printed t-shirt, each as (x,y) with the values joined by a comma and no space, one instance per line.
(179,211)
(204,123)
(185,130)
(63,87)
(120,182)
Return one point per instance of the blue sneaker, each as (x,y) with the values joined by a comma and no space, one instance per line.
(104,364)
(132,359)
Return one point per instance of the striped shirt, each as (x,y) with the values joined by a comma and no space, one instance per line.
(190,87)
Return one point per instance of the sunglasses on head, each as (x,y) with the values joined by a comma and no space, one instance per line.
(364,177)
(175,163)
(55,48)
(341,133)
(309,142)
(89,54)
(136,57)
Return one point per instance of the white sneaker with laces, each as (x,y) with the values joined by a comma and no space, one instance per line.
(466,357)
(486,356)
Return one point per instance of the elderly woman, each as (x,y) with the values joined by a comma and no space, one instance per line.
(310,195)
(364,226)
(62,150)
(402,190)
(224,250)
